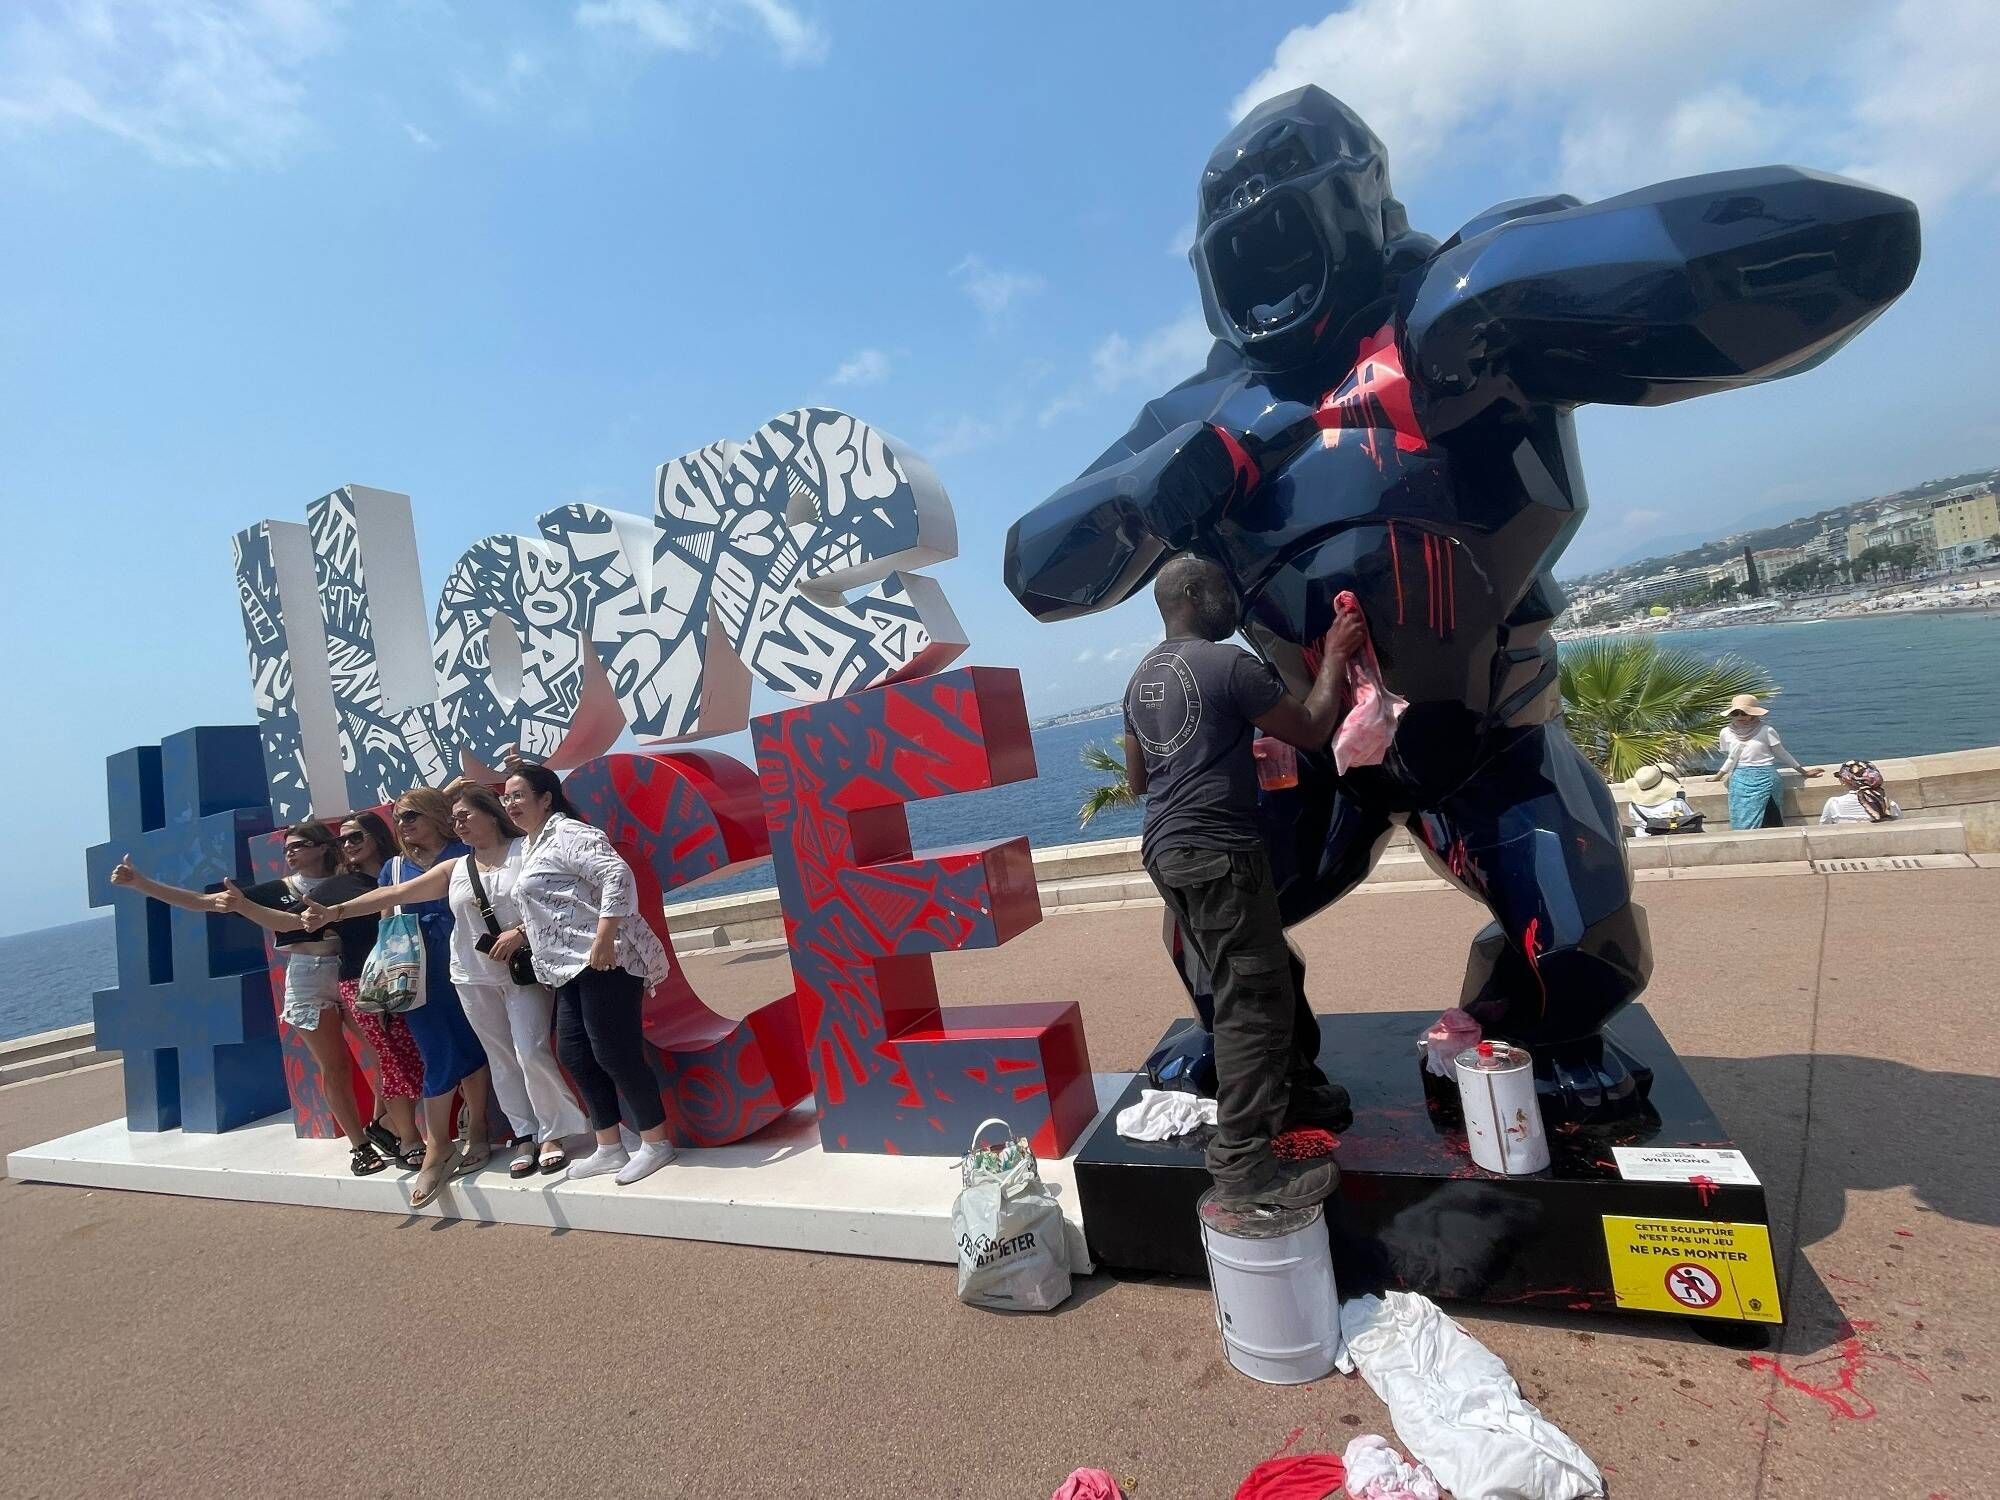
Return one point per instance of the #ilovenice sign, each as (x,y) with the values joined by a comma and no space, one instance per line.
(789,558)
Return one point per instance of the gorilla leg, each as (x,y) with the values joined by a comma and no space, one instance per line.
(1534,834)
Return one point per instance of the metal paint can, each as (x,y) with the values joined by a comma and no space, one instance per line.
(1275,1302)
(1503,1119)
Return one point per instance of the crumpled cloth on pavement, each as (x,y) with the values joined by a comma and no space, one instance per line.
(1298,1476)
(1456,1408)
(1088,1484)
(1450,1034)
(1376,1471)
(1162,1114)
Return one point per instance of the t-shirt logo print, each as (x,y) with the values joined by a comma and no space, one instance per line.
(1161,680)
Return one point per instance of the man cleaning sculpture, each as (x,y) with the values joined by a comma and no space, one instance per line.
(1189,712)
(1389,415)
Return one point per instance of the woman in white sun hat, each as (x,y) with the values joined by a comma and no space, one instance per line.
(1751,755)
(1659,803)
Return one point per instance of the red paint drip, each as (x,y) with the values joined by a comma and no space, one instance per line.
(1704,1186)
(1396,568)
(1840,1398)
(1290,1438)
(1240,462)
(1531,949)
(1451,581)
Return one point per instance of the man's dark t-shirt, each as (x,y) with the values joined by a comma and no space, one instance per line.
(356,934)
(1190,705)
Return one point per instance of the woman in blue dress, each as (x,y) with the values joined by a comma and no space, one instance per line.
(454,1062)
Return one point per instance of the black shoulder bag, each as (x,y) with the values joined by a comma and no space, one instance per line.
(520,963)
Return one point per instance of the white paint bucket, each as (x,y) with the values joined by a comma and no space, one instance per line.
(1272,1274)
(1503,1119)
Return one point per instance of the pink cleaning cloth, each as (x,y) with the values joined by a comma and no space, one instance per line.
(1365,733)
(1089,1484)
(1450,1034)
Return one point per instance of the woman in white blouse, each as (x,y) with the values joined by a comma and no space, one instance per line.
(580,919)
(1751,755)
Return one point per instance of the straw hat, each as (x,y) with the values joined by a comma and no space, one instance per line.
(1745,703)
(1658,782)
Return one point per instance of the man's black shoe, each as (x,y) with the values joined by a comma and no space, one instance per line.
(1286,1184)
(1320,1106)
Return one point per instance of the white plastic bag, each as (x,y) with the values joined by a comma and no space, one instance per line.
(1013,1248)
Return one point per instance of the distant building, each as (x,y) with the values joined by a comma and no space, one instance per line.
(1770,563)
(1911,528)
(1828,546)
(1671,584)
(1961,519)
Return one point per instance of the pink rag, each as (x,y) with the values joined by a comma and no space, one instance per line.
(1089,1484)
(1302,1476)
(1372,710)
(1450,1034)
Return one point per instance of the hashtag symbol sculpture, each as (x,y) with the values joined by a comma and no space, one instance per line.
(192,1011)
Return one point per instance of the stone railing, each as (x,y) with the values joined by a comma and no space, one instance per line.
(1939,795)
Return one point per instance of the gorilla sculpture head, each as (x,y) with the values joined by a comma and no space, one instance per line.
(1296,231)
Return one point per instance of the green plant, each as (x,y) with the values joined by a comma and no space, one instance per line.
(1114,792)
(1629,700)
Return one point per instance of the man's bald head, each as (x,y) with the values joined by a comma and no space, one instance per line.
(1196,598)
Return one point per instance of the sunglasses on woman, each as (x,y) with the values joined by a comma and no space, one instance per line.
(353,840)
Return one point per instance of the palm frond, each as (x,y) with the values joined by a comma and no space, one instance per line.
(1628,700)
(1116,792)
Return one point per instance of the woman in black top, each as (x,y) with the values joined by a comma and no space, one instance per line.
(321,967)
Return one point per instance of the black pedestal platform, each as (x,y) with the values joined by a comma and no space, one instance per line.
(1414,1212)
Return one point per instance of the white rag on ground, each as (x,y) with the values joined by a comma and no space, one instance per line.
(1376,1471)
(1162,1114)
(1456,1408)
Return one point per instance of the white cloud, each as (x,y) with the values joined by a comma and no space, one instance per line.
(992,289)
(1155,363)
(192,83)
(1896,91)
(965,434)
(1182,242)
(419,137)
(493,91)
(698,25)
(866,367)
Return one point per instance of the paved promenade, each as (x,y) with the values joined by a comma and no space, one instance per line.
(1841,1026)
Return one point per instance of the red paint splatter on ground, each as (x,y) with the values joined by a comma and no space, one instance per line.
(1906,1234)
(1691,1396)
(1840,1397)
(1704,1187)
(1290,1438)
(1304,1145)
(1844,1280)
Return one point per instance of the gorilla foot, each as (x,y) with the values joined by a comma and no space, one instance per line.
(1590,1081)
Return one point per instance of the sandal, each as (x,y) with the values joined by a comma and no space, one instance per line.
(411,1156)
(474,1156)
(523,1164)
(382,1138)
(431,1179)
(555,1156)
(362,1161)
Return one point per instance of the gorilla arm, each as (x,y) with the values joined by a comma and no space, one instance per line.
(1703,284)
(1094,542)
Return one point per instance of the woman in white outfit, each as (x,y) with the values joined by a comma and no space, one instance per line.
(512,1019)
(1751,756)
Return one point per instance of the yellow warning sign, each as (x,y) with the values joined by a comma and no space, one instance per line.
(1697,1266)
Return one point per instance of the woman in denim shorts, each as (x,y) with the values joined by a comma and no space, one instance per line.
(321,967)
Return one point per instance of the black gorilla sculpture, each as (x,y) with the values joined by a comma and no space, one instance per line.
(1386,414)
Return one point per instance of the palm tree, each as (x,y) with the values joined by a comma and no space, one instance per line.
(1116,792)
(1629,701)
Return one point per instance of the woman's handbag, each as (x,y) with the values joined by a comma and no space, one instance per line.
(1013,1247)
(520,963)
(392,978)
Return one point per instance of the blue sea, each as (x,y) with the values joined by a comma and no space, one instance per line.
(1874,688)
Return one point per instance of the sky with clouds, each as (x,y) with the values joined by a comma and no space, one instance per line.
(508,255)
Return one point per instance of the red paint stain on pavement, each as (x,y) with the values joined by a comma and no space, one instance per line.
(1840,1397)
(1290,1438)
(1906,1234)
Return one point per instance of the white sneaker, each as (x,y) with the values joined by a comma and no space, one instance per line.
(604,1159)
(652,1156)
